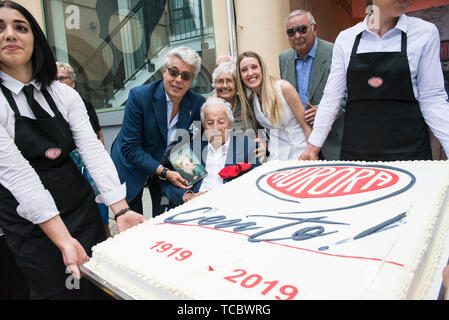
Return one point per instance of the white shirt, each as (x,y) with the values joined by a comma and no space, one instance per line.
(288,141)
(171,125)
(423,52)
(215,161)
(35,202)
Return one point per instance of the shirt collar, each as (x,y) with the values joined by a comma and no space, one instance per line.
(168,98)
(14,85)
(401,24)
(312,51)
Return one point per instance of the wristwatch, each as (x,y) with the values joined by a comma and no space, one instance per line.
(163,175)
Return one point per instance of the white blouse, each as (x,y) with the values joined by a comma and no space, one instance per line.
(423,52)
(288,141)
(16,174)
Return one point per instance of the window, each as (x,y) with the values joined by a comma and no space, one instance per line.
(115,45)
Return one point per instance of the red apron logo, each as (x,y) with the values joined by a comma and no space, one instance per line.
(335,186)
(53,153)
(375,82)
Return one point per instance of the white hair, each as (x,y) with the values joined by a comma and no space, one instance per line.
(214,101)
(223,68)
(67,68)
(225,56)
(299,13)
(187,55)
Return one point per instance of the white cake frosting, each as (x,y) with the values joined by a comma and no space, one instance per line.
(308,230)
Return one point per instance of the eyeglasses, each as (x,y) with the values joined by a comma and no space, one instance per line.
(302,29)
(223,81)
(173,72)
(62,78)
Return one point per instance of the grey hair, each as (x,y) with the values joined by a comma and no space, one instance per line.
(187,55)
(213,101)
(68,69)
(298,13)
(231,59)
(223,68)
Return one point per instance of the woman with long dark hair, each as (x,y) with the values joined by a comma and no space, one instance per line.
(48,212)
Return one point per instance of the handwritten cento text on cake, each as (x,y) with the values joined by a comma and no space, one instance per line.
(317,229)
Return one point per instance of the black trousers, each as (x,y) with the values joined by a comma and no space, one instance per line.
(85,291)
(13,285)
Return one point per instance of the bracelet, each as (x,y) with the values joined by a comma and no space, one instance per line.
(163,175)
(121,212)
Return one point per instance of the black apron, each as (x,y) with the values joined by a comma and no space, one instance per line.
(383,120)
(40,141)
(13,285)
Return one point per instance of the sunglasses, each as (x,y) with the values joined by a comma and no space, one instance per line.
(173,72)
(62,78)
(302,29)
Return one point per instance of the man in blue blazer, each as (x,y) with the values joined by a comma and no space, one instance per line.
(154,115)
(219,149)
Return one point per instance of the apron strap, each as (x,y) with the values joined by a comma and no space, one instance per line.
(356,44)
(50,101)
(404,43)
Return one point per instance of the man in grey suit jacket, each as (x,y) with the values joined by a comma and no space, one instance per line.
(306,65)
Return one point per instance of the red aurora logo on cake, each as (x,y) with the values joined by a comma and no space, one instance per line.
(337,185)
(319,182)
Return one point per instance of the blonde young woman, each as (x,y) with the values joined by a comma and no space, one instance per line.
(273,104)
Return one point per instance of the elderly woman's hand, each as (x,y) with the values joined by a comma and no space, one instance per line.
(190,195)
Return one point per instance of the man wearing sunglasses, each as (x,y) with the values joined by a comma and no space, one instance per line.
(306,65)
(153,114)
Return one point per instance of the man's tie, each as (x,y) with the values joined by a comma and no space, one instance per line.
(38,111)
